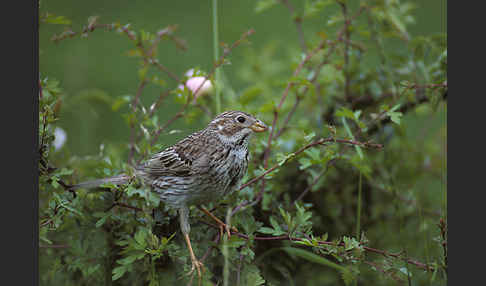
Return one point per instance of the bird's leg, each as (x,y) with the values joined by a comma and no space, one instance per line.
(222,225)
(196,264)
(185,228)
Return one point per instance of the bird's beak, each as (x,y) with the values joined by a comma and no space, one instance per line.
(258,126)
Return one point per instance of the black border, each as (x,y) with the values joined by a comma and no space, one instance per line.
(465,138)
(36,84)
(19,126)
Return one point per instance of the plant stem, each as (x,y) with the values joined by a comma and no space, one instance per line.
(216,56)
(358,218)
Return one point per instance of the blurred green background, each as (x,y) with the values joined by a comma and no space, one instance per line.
(94,68)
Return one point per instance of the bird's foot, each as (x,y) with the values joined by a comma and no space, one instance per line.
(199,266)
(196,264)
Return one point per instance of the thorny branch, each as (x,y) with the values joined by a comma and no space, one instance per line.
(403,109)
(266,153)
(148,58)
(332,47)
(216,65)
(366,248)
(322,141)
(147,53)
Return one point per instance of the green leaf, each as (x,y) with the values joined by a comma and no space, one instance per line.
(264,5)
(282,159)
(395,117)
(251,276)
(54,182)
(57,20)
(304,163)
(348,276)
(266,230)
(309,256)
(102,220)
(358,149)
(275,224)
(64,172)
(127,260)
(71,209)
(313,7)
(314,154)
(345,112)
(118,272)
(140,237)
(397,23)
(310,136)
(405,271)
(350,243)
(120,101)
(235,242)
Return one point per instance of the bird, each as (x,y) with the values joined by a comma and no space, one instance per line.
(203,167)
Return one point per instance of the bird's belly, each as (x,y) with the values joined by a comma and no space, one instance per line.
(204,189)
(202,192)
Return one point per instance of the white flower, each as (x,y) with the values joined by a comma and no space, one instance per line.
(194,84)
(60,137)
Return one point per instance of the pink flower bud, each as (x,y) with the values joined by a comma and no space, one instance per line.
(198,85)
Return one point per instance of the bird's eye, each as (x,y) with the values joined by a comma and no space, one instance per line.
(241,119)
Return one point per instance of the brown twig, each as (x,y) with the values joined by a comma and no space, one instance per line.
(332,47)
(132,126)
(89,28)
(169,122)
(366,248)
(372,264)
(322,141)
(279,106)
(216,239)
(399,256)
(157,103)
(128,206)
(157,64)
(313,79)
(216,65)
(403,109)
(140,88)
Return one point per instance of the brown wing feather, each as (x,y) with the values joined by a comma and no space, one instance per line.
(175,161)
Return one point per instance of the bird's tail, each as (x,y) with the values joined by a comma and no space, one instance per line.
(117,180)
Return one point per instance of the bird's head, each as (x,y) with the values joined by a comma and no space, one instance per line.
(236,126)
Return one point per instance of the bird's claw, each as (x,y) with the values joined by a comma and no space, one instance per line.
(199,266)
(196,264)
